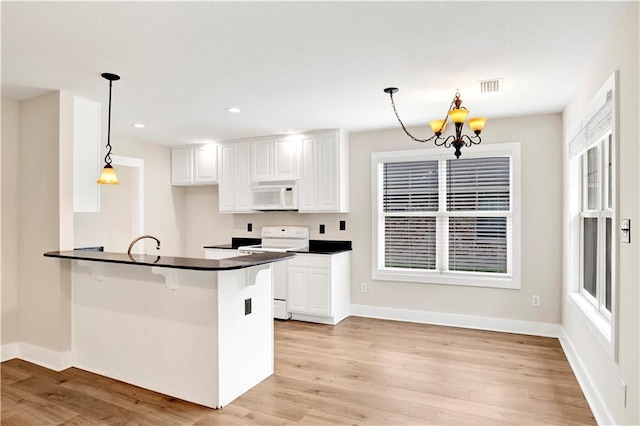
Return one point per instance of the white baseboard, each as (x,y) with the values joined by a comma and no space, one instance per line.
(456,320)
(9,351)
(594,399)
(46,358)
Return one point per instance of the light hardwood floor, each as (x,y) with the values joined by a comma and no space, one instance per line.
(362,371)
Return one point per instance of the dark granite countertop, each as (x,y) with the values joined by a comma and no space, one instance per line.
(173,262)
(315,246)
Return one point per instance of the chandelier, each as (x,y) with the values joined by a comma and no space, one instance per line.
(457,114)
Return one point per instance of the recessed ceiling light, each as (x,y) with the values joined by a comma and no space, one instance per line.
(138,125)
(233,110)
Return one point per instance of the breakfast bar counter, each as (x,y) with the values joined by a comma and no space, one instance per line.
(195,329)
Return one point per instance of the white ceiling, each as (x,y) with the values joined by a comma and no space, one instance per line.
(299,65)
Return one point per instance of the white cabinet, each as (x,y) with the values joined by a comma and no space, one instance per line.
(194,165)
(324,174)
(234,195)
(86,155)
(182,166)
(318,287)
(274,158)
(205,164)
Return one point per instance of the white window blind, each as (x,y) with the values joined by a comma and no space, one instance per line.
(595,129)
(478,184)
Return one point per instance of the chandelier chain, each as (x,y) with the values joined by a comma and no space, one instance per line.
(402,124)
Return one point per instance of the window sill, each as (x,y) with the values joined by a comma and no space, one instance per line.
(599,326)
(449,278)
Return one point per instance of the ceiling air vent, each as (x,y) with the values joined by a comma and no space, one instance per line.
(491,86)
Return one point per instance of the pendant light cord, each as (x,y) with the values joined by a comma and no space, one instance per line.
(107,158)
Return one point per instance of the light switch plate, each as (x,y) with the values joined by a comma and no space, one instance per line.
(625,227)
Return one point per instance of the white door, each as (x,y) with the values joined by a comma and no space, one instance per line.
(285,159)
(319,292)
(327,171)
(181,166)
(297,289)
(261,160)
(307,185)
(226,185)
(241,175)
(205,164)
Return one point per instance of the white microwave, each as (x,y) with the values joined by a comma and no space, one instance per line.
(274,197)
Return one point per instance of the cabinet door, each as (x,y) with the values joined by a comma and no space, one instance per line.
(205,164)
(319,292)
(285,158)
(307,185)
(181,166)
(261,160)
(241,175)
(327,158)
(297,289)
(226,184)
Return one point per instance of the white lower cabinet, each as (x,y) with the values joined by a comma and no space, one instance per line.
(318,287)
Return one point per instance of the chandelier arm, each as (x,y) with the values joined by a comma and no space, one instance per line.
(471,140)
(393,104)
(446,141)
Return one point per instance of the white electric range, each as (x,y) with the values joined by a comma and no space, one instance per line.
(280,239)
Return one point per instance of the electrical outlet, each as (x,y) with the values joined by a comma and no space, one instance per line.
(623,393)
(249,227)
(247,306)
(343,225)
(209,226)
(322,229)
(363,287)
(535,301)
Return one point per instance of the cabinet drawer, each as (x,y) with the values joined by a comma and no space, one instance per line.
(311,260)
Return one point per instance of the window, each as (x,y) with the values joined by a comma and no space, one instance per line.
(596,221)
(591,211)
(439,219)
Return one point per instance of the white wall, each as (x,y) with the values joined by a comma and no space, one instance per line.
(9,221)
(44,206)
(164,216)
(540,138)
(201,208)
(620,52)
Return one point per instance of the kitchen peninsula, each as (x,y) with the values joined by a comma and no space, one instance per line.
(196,329)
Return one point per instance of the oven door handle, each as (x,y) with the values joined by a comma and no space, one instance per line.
(247,251)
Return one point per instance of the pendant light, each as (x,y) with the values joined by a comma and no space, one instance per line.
(108,176)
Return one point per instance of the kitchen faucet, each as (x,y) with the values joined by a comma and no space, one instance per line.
(141,237)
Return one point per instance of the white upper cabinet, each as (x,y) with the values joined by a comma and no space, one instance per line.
(182,166)
(86,155)
(274,158)
(233,191)
(324,177)
(194,165)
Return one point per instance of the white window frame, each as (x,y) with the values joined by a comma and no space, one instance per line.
(601,322)
(442,276)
